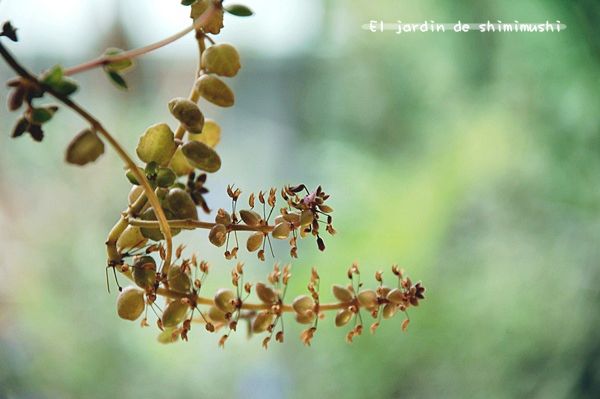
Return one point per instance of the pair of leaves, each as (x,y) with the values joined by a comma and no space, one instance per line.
(56,80)
(115,69)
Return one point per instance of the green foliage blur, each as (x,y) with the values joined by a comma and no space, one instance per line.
(471,160)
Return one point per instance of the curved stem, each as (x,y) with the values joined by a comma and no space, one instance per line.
(160,215)
(131,54)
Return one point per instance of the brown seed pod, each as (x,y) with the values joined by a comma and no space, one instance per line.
(179,280)
(215,90)
(224,300)
(130,303)
(251,218)
(343,294)
(266,294)
(175,312)
(395,296)
(218,235)
(342,317)
(262,322)
(254,241)
(281,231)
(306,317)
(367,298)
(303,304)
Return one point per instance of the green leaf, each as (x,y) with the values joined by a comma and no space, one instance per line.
(65,86)
(238,10)
(117,79)
(187,2)
(117,66)
(42,114)
(157,144)
(86,147)
(52,76)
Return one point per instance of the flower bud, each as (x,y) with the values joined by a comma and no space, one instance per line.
(224,300)
(201,156)
(144,272)
(265,294)
(130,238)
(175,312)
(262,322)
(157,144)
(178,279)
(218,235)
(188,113)
(281,231)
(215,90)
(222,59)
(130,303)
(181,204)
(251,218)
(342,317)
(343,294)
(303,304)
(254,241)
(367,298)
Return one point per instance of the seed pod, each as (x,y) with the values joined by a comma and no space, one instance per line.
(325,208)
(134,194)
(367,298)
(343,294)
(211,134)
(223,217)
(262,322)
(130,238)
(342,317)
(306,317)
(281,231)
(218,235)
(224,300)
(251,218)
(215,90)
(389,310)
(222,59)
(216,315)
(144,272)
(278,219)
(130,303)
(84,148)
(201,156)
(265,294)
(395,296)
(175,312)
(188,113)
(306,218)
(181,204)
(165,177)
(254,241)
(178,279)
(303,304)
(157,144)
(180,164)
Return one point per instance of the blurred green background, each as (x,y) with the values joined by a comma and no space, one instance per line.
(472,160)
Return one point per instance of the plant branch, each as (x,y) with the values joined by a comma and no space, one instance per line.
(162,219)
(189,224)
(131,54)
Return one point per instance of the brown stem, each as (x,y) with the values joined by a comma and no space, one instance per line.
(196,224)
(162,219)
